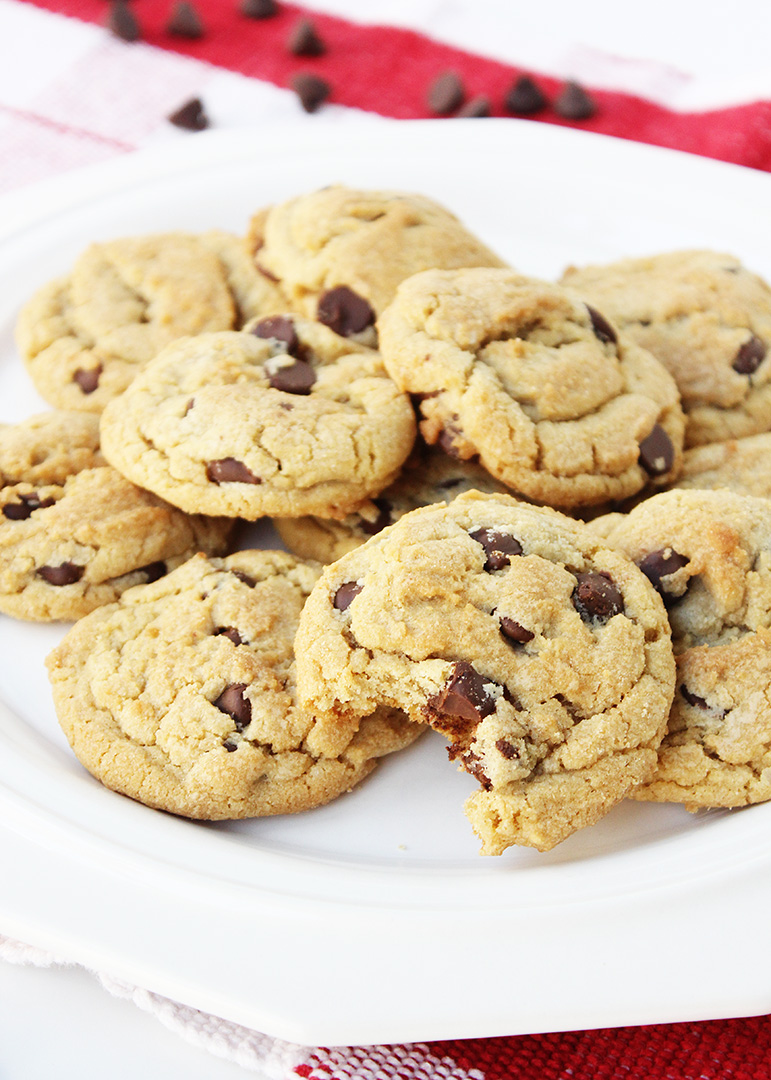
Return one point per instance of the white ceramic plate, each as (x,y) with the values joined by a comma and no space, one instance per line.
(374,919)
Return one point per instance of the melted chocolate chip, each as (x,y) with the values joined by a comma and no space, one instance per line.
(574,103)
(381,521)
(122,21)
(499,547)
(258,9)
(20,511)
(505,749)
(153,571)
(603,331)
(244,577)
(514,632)
(657,455)
(445,93)
(230,471)
(296,378)
(231,633)
(596,597)
(344,311)
(280,328)
(693,699)
(447,441)
(660,564)
(304,40)
(233,702)
(479,106)
(65,574)
(87,378)
(312,91)
(230,746)
(525,97)
(190,116)
(345,594)
(464,696)
(265,272)
(184,21)
(750,356)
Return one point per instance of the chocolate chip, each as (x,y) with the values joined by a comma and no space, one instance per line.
(464,695)
(304,40)
(281,328)
(660,564)
(499,547)
(190,116)
(596,597)
(693,699)
(344,596)
(574,103)
(447,440)
(230,746)
(230,633)
(244,577)
(750,356)
(87,378)
(478,106)
(154,570)
(344,311)
(184,21)
(380,522)
(525,97)
(657,454)
(122,21)
(65,574)
(603,331)
(296,378)
(261,269)
(505,749)
(230,471)
(512,631)
(20,511)
(258,9)
(233,702)
(312,91)
(445,94)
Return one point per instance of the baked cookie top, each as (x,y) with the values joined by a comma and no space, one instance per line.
(182,696)
(84,336)
(288,419)
(339,253)
(708,320)
(74,533)
(428,476)
(742,465)
(709,555)
(539,385)
(541,653)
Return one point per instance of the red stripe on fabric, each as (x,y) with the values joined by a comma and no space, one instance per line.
(65,129)
(713,1050)
(387,70)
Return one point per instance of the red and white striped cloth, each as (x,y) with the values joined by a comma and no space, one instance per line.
(71,94)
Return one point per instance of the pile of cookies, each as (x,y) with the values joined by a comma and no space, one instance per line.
(532,516)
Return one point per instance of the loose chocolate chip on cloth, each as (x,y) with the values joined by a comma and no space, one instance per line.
(538,385)
(708,553)
(708,320)
(182,695)
(365,242)
(302,421)
(542,654)
(83,337)
(74,533)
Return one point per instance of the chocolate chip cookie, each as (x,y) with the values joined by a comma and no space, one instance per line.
(74,533)
(522,373)
(182,694)
(542,654)
(84,336)
(289,419)
(708,320)
(709,555)
(428,476)
(338,254)
(741,465)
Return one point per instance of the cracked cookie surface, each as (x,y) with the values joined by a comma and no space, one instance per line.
(709,555)
(84,336)
(74,533)
(523,374)
(708,320)
(428,476)
(338,254)
(182,694)
(289,419)
(540,652)
(741,465)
